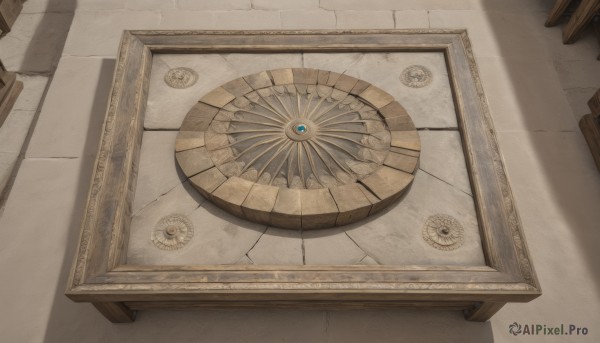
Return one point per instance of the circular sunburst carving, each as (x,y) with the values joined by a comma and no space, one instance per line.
(416,76)
(172,232)
(300,145)
(299,137)
(443,232)
(181,77)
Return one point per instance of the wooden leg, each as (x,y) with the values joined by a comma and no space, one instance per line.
(557,11)
(116,312)
(590,127)
(582,16)
(483,312)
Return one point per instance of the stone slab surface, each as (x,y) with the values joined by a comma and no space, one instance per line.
(395,237)
(331,246)
(30,49)
(158,172)
(278,246)
(73,130)
(443,157)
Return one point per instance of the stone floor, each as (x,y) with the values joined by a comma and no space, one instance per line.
(536,89)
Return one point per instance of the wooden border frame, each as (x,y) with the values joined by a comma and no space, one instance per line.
(100,275)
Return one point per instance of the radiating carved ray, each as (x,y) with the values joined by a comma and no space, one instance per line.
(333,157)
(273,107)
(344,138)
(311,162)
(249,164)
(252,147)
(268,109)
(250,131)
(317,106)
(247,139)
(358,121)
(344,130)
(278,169)
(343,149)
(289,114)
(254,122)
(264,116)
(325,162)
(300,167)
(304,114)
(298,98)
(329,108)
(290,175)
(335,116)
(281,148)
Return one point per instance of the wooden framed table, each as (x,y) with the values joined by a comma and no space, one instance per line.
(102,276)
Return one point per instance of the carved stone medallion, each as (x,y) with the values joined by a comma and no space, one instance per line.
(299,148)
(416,76)
(172,232)
(443,232)
(181,77)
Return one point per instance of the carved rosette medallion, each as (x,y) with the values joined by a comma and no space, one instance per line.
(299,148)
(172,232)
(443,232)
(416,76)
(181,77)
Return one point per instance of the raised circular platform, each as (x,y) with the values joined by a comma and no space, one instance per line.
(299,148)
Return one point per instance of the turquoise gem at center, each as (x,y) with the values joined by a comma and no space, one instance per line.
(301,128)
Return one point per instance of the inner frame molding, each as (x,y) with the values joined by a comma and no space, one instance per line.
(101,276)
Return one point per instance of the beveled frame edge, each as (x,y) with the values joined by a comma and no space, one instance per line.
(510,277)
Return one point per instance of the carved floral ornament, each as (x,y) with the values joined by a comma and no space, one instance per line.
(299,148)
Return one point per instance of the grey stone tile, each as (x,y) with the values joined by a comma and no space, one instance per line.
(525,95)
(410,325)
(429,106)
(98,33)
(284,4)
(578,74)
(41,6)
(33,89)
(330,246)
(442,156)
(70,122)
(100,4)
(495,33)
(247,20)
(187,20)
(14,130)
(157,171)
(33,45)
(364,19)
(150,5)
(278,246)
(578,99)
(207,5)
(45,209)
(307,19)
(395,237)
(8,162)
(411,19)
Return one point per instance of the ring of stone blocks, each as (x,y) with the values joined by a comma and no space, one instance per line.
(300,208)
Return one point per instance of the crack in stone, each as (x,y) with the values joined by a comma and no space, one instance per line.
(303,250)
(361,249)
(444,181)
(255,243)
